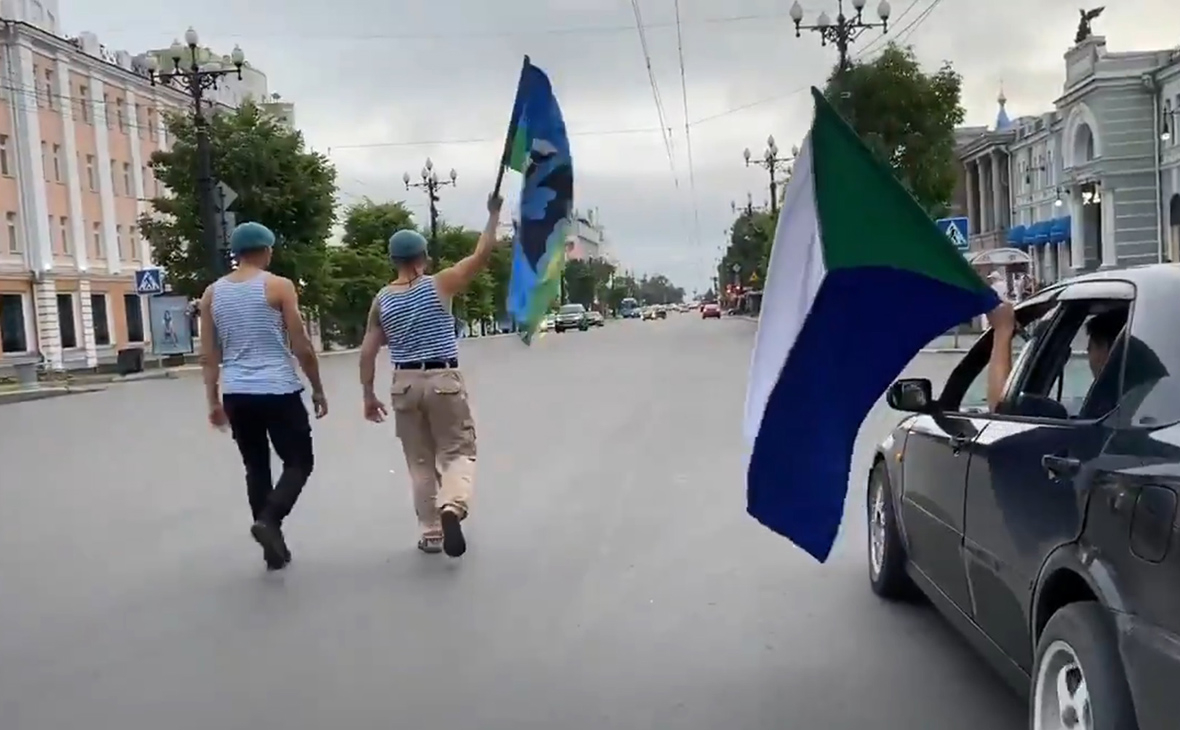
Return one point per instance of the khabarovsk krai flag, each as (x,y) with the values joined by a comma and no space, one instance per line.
(859,280)
(540,150)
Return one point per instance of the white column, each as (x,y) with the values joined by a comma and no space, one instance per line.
(87,323)
(106,192)
(34,209)
(1077,231)
(1109,249)
(969,186)
(999,200)
(73,176)
(137,177)
(48,327)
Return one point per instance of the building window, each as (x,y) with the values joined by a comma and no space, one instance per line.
(51,241)
(133,242)
(50,96)
(13,233)
(12,324)
(4,168)
(97,239)
(153,131)
(102,321)
(91,177)
(133,309)
(64,226)
(106,111)
(114,178)
(57,163)
(127,186)
(119,242)
(121,113)
(65,321)
(148,192)
(84,103)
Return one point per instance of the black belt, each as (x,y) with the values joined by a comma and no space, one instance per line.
(428,365)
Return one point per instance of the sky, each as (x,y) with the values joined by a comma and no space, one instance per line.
(380,86)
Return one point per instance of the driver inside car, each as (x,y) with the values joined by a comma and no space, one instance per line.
(1102,331)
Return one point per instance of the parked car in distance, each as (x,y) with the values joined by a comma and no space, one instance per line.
(661,311)
(1046,529)
(547,324)
(571,317)
(649,313)
(595,319)
(710,311)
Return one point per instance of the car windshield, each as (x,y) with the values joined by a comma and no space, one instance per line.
(572,309)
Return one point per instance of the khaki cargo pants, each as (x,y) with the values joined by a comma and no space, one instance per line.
(433,421)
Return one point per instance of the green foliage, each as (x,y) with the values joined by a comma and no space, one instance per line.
(357,274)
(659,289)
(279,183)
(368,225)
(587,281)
(749,247)
(907,116)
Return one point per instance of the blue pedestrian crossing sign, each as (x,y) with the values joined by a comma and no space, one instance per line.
(149,281)
(956,230)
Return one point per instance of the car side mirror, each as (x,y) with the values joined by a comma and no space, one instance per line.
(912,395)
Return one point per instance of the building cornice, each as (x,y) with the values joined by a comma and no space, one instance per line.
(67,49)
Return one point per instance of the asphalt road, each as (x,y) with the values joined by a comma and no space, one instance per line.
(614,580)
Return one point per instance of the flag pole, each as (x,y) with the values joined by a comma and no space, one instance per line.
(506,156)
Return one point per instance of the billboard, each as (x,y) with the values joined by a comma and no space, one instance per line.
(171,328)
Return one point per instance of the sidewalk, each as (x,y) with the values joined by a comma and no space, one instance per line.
(941,345)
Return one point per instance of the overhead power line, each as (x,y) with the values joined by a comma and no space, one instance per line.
(655,91)
(692,179)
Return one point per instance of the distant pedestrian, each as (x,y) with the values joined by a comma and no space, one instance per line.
(412,315)
(247,318)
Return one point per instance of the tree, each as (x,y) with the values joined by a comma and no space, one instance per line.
(751,237)
(279,184)
(659,289)
(907,117)
(369,225)
(587,281)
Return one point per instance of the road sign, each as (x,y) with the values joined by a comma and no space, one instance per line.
(149,281)
(226,219)
(955,229)
(226,195)
(736,268)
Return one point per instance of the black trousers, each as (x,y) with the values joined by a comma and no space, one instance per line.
(259,422)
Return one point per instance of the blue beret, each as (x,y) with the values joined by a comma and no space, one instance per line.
(250,237)
(406,244)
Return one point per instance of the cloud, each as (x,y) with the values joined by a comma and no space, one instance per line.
(437,78)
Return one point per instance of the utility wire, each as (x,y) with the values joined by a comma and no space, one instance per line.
(909,31)
(655,91)
(692,178)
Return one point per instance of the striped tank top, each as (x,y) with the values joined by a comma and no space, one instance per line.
(417,326)
(255,357)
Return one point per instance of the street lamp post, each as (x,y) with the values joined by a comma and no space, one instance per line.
(195,79)
(773,164)
(431,184)
(748,208)
(845,30)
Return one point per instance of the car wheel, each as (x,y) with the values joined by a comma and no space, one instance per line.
(1078,679)
(887,560)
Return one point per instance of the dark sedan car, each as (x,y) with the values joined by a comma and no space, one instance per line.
(1047,531)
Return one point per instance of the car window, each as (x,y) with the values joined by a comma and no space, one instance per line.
(1150,394)
(1060,383)
(572,309)
(1034,323)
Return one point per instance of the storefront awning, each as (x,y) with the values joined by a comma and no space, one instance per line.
(1016,235)
(1059,230)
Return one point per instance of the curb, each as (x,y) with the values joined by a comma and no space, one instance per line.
(35,394)
(924,350)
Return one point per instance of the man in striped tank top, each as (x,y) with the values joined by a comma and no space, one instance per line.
(412,316)
(247,319)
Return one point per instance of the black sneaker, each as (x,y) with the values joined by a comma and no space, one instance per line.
(274,547)
(454,544)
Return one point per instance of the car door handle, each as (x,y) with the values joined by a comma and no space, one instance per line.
(1060,467)
(958,441)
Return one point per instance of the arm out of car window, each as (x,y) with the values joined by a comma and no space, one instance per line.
(999,366)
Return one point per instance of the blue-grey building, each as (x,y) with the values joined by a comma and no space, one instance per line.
(1094,182)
